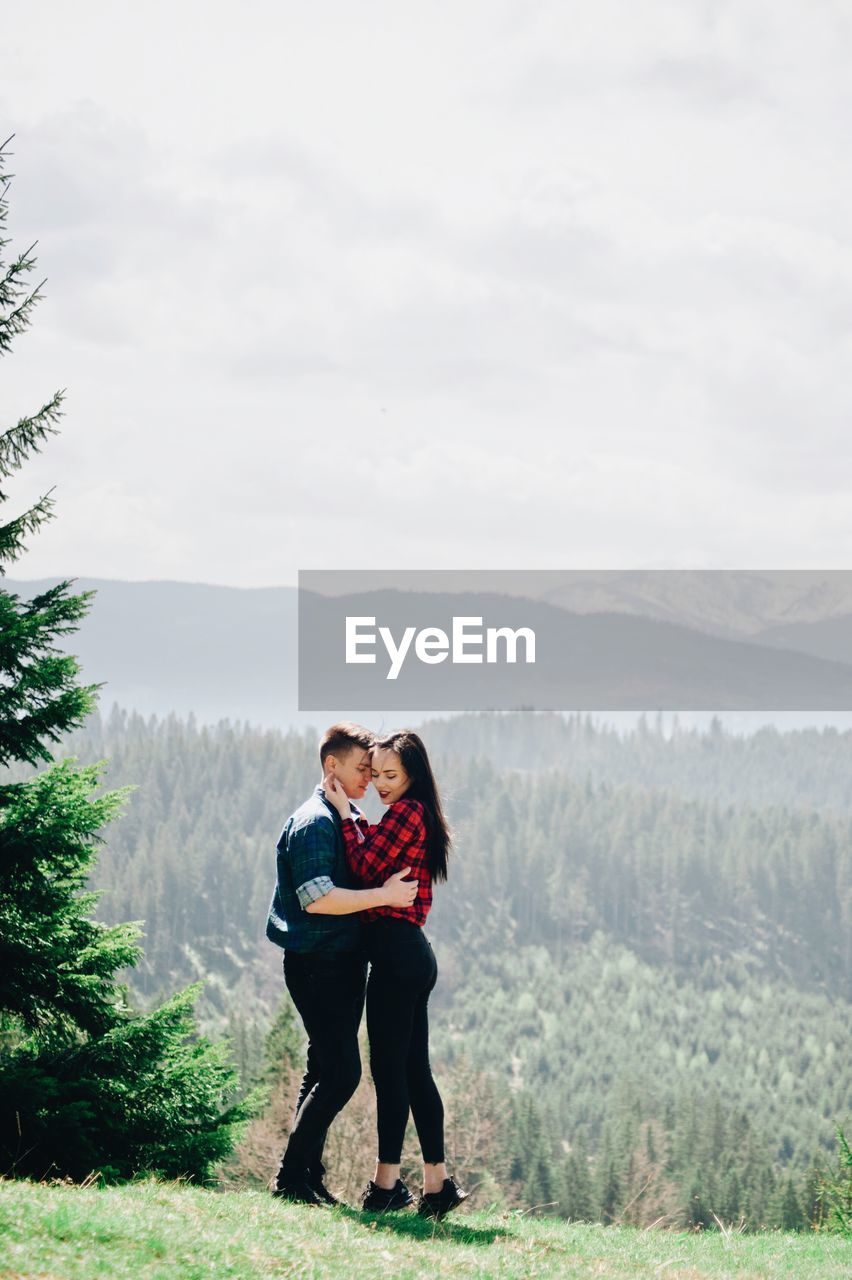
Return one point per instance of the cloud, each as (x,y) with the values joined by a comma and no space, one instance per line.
(542,284)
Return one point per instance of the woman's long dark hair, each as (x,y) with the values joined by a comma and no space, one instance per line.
(412,754)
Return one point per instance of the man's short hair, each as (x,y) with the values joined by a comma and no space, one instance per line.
(341,738)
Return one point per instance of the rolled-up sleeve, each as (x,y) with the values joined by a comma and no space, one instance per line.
(312,857)
(313,890)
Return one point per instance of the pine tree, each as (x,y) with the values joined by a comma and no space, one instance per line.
(46,826)
(87,1085)
(607,1181)
(532,1165)
(786,1211)
(698,1211)
(811,1200)
(835,1191)
(577,1201)
(609,1191)
(247,1048)
(284,1045)
(729,1209)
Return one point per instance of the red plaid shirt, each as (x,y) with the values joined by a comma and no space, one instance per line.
(375,852)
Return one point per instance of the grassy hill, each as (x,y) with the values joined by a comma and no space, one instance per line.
(154,1231)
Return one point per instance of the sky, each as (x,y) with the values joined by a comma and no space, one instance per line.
(525,285)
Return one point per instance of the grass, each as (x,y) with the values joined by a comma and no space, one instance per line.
(166,1231)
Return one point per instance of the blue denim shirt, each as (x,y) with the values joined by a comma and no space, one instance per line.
(311,861)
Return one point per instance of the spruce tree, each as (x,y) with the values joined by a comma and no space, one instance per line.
(786,1211)
(577,1200)
(835,1190)
(284,1046)
(86,1085)
(810,1197)
(532,1166)
(607,1181)
(609,1190)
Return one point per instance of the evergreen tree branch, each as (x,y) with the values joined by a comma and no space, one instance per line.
(17,320)
(28,434)
(39,699)
(13,533)
(12,284)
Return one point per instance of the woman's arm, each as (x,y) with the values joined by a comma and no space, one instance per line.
(374,852)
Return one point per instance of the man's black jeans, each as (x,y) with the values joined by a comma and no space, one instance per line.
(327,988)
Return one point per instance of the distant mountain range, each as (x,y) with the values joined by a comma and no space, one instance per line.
(739,604)
(220,652)
(227,652)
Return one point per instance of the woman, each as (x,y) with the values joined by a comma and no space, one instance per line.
(412,833)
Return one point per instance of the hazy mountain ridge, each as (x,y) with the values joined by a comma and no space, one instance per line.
(226,652)
(733,603)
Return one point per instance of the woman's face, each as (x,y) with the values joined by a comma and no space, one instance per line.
(389,778)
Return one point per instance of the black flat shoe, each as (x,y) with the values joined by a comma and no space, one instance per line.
(381,1200)
(439,1203)
(297,1193)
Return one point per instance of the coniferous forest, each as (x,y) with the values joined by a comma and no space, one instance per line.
(645,947)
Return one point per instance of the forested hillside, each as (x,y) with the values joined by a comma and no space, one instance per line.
(647,941)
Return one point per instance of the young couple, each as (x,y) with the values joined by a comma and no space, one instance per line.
(349,893)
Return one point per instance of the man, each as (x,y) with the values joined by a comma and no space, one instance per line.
(314,917)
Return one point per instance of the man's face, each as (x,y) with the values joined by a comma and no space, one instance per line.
(353,771)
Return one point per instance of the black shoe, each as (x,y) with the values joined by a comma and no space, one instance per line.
(381,1200)
(439,1203)
(297,1193)
(321,1190)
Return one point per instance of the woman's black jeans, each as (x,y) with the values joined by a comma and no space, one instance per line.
(403,972)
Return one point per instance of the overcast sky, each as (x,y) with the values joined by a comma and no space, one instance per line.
(378,285)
